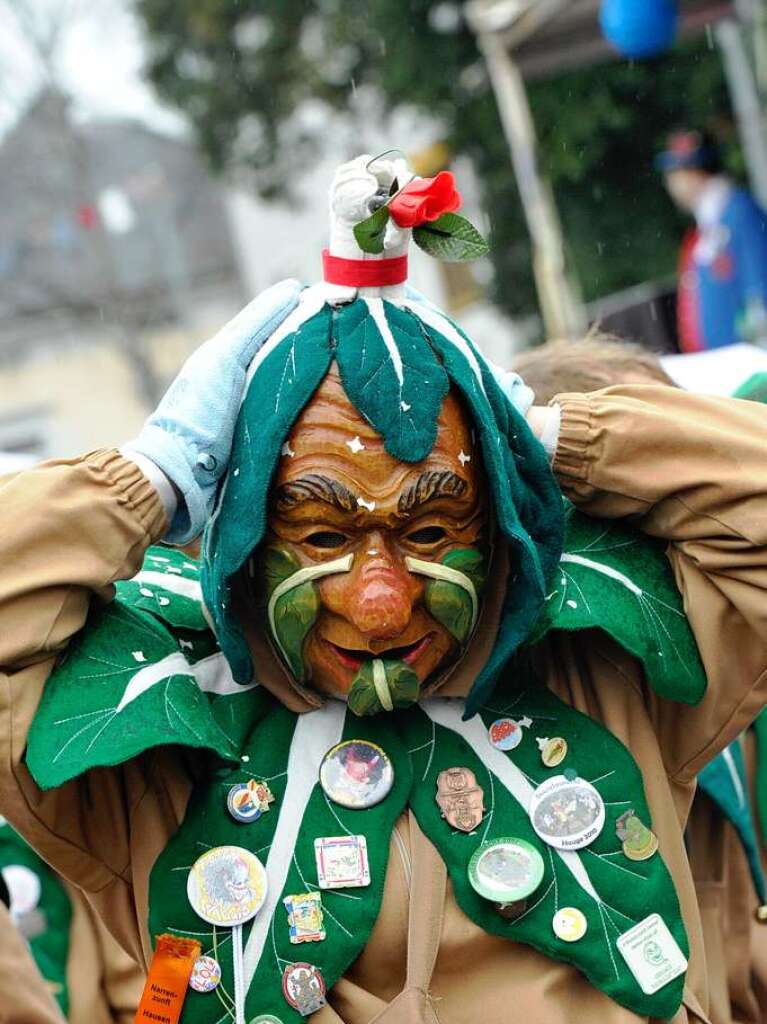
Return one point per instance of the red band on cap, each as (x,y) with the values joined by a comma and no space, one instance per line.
(363,273)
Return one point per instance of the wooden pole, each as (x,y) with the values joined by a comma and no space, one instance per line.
(562,312)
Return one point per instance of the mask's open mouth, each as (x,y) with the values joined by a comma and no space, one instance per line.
(354,659)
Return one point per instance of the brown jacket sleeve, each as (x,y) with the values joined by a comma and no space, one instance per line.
(68,530)
(691,470)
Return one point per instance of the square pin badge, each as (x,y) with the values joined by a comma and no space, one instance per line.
(652,954)
(305,917)
(342,862)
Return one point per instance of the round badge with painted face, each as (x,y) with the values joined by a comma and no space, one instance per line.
(569,924)
(356,774)
(505,734)
(567,813)
(227,886)
(506,870)
(206,974)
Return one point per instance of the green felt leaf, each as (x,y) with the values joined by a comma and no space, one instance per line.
(619,580)
(626,891)
(451,238)
(350,914)
(47,927)
(100,707)
(168,587)
(403,683)
(369,233)
(399,388)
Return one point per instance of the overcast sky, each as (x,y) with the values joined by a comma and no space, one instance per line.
(98,62)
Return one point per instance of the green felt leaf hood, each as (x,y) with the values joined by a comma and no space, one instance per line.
(397,363)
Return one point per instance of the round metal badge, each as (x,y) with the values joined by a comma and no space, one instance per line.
(227,886)
(206,974)
(356,774)
(569,924)
(245,801)
(505,734)
(265,1018)
(553,751)
(506,870)
(303,987)
(568,814)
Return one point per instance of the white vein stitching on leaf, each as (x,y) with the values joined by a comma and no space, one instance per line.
(431,752)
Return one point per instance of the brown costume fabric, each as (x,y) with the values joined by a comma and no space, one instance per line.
(685,468)
(105,984)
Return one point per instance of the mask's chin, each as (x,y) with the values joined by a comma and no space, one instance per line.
(383,684)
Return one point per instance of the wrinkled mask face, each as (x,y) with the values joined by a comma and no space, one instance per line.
(370,579)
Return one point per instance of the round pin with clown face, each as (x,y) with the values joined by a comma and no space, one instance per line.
(356,774)
(567,813)
(227,886)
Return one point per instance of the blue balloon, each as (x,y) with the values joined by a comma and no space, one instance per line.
(639,28)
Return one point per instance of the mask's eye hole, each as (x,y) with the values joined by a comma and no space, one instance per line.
(327,539)
(427,535)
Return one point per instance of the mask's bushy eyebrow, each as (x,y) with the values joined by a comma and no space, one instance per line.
(433,483)
(315,487)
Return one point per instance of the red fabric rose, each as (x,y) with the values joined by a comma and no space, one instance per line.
(425,199)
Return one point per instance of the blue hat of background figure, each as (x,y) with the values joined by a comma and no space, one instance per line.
(689,150)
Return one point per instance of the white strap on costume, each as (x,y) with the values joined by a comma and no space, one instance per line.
(315,733)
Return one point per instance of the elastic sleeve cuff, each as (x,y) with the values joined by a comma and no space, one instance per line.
(157,479)
(134,489)
(571,460)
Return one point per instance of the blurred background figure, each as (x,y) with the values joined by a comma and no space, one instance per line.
(723,260)
(73,969)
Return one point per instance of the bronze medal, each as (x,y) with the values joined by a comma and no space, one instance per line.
(460,799)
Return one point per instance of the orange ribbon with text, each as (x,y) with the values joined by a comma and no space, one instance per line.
(166,985)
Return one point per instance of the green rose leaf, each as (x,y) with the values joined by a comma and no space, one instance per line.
(370,232)
(451,238)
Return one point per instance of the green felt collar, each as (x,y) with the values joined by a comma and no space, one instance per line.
(613,892)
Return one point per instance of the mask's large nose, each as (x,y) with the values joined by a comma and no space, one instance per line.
(379,592)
